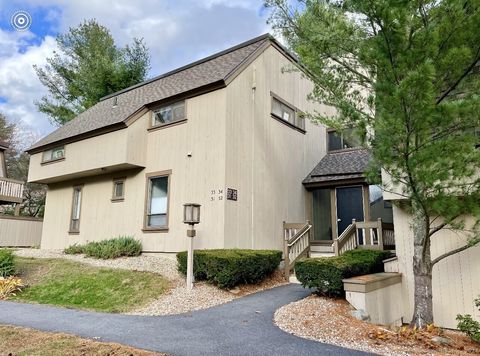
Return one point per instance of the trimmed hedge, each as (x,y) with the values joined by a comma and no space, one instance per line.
(7,263)
(326,273)
(108,249)
(231,267)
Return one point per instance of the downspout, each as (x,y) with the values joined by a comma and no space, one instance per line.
(254,87)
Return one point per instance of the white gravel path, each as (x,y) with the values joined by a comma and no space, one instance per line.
(178,299)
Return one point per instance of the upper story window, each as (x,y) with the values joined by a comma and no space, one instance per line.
(285,112)
(54,154)
(169,114)
(346,139)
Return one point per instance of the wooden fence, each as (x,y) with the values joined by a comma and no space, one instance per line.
(20,231)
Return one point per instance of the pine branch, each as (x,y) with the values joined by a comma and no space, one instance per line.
(459,80)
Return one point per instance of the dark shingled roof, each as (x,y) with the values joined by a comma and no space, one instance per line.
(3,145)
(338,166)
(208,71)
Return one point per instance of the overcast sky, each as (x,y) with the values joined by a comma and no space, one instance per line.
(176,31)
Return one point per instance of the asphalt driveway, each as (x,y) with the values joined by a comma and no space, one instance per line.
(241,327)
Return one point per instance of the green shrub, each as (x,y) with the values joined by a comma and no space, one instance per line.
(468,325)
(326,273)
(74,249)
(108,249)
(7,263)
(229,268)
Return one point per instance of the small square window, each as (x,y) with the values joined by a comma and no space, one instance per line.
(118,189)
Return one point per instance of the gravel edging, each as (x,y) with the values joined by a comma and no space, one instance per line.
(178,299)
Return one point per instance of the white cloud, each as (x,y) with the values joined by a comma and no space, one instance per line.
(177,32)
(19,84)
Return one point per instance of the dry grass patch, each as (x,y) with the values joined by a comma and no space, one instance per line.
(23,341)
(328,320)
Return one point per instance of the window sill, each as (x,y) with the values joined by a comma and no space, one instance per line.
(117,200)
(148,230)
(73,232)
(159,127)
(289,124)
(52,161)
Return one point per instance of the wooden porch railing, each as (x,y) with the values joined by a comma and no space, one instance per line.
(375,235)
(11,190)
(296,243)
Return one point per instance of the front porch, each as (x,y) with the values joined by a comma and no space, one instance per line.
(346,212)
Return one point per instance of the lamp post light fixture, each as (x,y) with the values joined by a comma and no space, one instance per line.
(191,216)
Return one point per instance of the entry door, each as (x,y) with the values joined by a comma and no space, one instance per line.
(349,206)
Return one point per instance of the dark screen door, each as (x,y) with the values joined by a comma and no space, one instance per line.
(349,206)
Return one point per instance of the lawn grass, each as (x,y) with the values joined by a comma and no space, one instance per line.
(23,341)
(77,285)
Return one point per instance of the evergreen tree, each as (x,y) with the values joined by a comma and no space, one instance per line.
(409,70)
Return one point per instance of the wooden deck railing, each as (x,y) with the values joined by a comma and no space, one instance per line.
(365,234)
(296,243)
(11,190)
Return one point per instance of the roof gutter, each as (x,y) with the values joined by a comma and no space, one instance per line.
(89,134)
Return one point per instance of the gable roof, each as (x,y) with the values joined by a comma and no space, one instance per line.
(210,73)
(340,166)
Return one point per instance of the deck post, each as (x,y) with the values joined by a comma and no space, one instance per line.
(380,234)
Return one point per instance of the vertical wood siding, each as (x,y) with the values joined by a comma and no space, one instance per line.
(456,279)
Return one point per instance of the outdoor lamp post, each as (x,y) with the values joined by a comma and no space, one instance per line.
(191,216)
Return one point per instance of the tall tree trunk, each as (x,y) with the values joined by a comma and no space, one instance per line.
(422,271)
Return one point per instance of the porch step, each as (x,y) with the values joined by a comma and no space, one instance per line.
(321,248)
(321,254)
(293,279)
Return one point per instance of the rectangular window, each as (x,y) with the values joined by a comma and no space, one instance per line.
(157,202)
(348,138)
(281,110)
(54,154)
(168,114)
(76,207)
(118,189)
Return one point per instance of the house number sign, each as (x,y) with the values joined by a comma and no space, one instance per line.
(232,194)
(218,194)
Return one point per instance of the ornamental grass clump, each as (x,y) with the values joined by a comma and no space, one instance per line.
(9,286)
(123,246)
(7,263)
(74,249)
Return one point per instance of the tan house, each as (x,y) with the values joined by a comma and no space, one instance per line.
(226,132)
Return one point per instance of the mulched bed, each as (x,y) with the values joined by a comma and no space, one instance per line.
(329,320)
